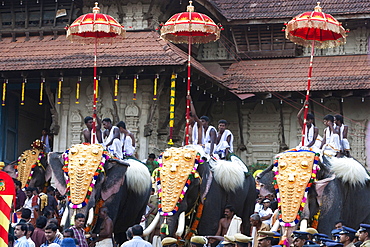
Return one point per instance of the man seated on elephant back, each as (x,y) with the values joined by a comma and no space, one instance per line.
(224,141)
(330,143)
(111,136)
(87,131)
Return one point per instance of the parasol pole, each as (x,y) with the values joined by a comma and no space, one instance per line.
(188,93)
(93,132)
(308,92)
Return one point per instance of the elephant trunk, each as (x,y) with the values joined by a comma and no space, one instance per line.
(152,225)
(172,222)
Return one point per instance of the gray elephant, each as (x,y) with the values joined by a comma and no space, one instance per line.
(123,187)
(341,192)
(184,186)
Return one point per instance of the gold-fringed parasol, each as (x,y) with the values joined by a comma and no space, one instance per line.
(192,28)
(314,29)
(95,28)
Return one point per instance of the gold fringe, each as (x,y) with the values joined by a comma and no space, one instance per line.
(210,33)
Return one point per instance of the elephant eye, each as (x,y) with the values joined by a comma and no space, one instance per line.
(187,156)
(95,151)
(33,152)
(283,165)
(73,150)
(166,155)
(304,164)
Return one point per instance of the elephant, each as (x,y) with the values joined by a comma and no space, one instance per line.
(32,161)
(124,188)
(341,192)
(212,185)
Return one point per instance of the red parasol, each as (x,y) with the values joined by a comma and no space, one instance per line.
(190,27)
(94,28)
(314,29)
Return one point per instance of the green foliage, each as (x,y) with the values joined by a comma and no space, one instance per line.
(257,166)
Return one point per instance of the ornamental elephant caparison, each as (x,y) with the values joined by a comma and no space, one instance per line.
(342,192)
(223,184)
(124,186)
(32,161)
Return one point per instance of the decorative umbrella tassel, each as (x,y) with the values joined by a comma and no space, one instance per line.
(116,88)
(172,106)
(60,90)
(4,92)
(41,90)
(135,84)
(23,89)
(155,87)
(78,84)
(97,88)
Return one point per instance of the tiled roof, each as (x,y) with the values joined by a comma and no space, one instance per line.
(288,75)
(271,9)
(137,49)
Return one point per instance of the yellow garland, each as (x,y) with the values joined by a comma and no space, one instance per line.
(4,92)
(78,90)
(41,90)
(60,90)
(23,89)
(116,88)
(155,87)
(135,81)
(172,105)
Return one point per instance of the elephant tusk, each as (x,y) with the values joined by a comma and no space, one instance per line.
(181,225)
(303,225)
(152,225)
(90,217)
(64,217)
(276,225)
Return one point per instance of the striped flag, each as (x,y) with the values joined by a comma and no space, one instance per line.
(7,197)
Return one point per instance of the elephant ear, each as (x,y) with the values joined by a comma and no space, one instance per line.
(115,177)
(56,163)
(10,169)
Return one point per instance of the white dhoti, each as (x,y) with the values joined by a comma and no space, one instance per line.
(234,227)
(116,148)
(207,148)
(333,147)
(345,145)
(108,242)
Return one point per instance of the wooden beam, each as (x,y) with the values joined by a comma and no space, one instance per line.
(272,37)
(55,17)
(236,44)
(246,38)
(27,19)
(259,38)
(71,12)
(41,12)
(13,15)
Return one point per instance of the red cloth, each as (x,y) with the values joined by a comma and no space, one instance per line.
(38,236)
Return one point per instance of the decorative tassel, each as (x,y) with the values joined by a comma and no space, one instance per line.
(172,106)
(23,89)
(164,228)
(97,88)
(116,88)
(78,84)
(315,221)
(155,87)
(135,82)
(4,92)
(41,90)
(60,90)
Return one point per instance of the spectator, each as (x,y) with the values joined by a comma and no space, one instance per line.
(25,216)
(339,224)
(51,235)
(346,236)
(364,235)
(56,222)
(151,163)
(38,236)
(255,221)
(68,242)
(137,232)
(266,212)
(32,203)
(21,196)
(30,230)
(258,205)
(20,233)
(51,202)
(78,230)
(68,233)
